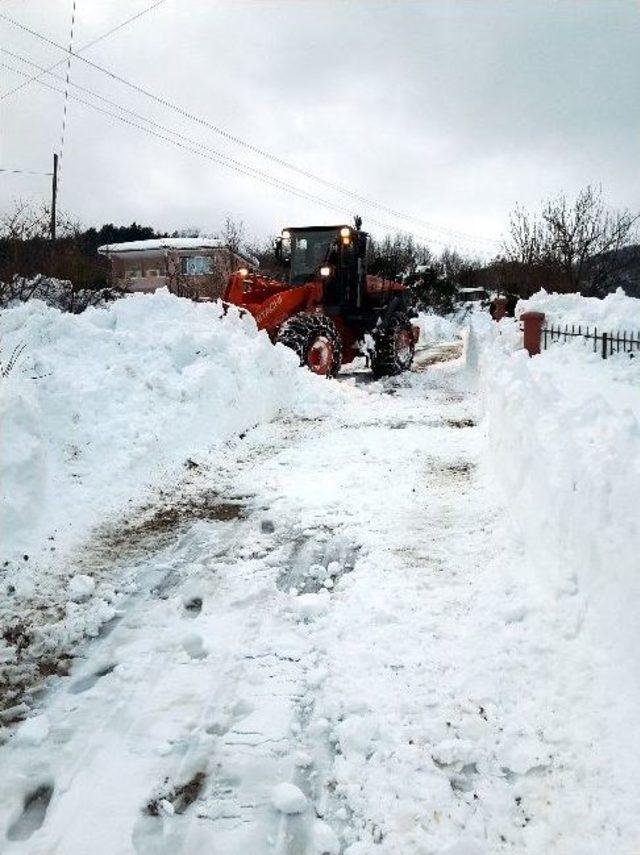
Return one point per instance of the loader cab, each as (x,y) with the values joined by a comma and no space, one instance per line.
(333,255)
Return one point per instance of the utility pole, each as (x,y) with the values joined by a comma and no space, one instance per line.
(54,194)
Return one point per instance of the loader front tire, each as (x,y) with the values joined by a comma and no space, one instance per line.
(316,341)
(394,347)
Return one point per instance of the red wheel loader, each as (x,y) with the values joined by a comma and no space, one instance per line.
(328,309)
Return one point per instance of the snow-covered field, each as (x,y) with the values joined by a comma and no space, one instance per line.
(336,617)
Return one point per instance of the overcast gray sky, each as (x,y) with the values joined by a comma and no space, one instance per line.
(448,111)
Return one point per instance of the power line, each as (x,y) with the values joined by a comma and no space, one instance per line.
(197,148)
(204,152)
(24,172)
(465,237)
(223,159)
(93,42)
(66,90)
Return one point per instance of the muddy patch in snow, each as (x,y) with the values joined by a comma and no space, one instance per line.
(459,469)
(176,800)
(460,423)
(439,353)
(160,524)
(35,645)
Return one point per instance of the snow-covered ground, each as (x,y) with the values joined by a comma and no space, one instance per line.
(351,628)
(100,409)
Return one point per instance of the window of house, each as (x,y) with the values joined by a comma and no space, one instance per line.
(196,265)
(152,272)
(134,273)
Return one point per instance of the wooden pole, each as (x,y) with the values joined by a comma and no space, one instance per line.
(54,196)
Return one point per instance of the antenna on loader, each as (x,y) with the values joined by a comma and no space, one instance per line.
(357,220)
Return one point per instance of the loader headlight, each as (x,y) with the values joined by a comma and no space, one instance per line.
(244,271)
(345,232)
(325,271)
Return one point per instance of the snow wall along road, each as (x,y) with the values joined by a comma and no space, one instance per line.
(564,430)
(102,405)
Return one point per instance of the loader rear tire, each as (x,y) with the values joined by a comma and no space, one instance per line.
(394,347)
(316,341)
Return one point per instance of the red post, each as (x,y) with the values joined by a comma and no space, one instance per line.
(532,331)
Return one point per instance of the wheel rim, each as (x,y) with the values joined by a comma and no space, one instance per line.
(320,356)
(404,346)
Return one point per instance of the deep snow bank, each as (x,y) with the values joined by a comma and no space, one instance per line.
(565,441)
(564,432)
(434,328)
(615,312)
(565,444)
(103,404)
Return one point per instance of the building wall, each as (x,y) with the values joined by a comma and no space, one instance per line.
(210,286)
(149,270)
(145,271)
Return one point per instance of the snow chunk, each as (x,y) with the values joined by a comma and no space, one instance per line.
(303,759)
(33,731)
(80,588)
(356,734)
(316,677)
(325,840)
(309,606)
(452,751)
(194,646)
(289,799)
(167,807)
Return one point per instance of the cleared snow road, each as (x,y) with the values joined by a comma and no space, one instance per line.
(338,620)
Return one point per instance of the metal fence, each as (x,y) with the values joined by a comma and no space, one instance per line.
(606,343)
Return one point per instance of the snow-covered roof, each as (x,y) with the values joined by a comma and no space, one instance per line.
(155,244)
(161,243)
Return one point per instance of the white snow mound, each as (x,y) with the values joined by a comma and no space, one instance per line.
(33,731)
(107,403)
(614,312)
(80,588)
(289,799)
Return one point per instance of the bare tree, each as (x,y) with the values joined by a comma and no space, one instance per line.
(189,232)
(527,239)
(232,233)
(23,222)
(571,246)
(582,235)
(27,220)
